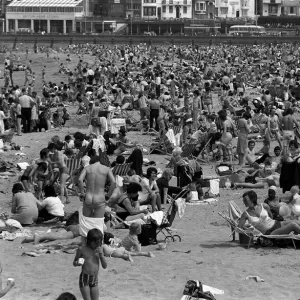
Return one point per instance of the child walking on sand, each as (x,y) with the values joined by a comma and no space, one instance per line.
(88,257)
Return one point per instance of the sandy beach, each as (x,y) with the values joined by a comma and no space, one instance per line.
(212,258)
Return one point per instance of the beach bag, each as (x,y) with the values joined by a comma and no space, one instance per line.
(95,122)
(148,234)
(224,169)
(193,290)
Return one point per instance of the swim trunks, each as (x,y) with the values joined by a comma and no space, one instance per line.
(88,280)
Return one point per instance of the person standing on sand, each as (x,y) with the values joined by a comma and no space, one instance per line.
(288,122)
(91,215)
(26,103)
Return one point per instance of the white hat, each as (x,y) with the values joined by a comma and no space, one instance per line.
(273,187)
(119,181)
(190,120)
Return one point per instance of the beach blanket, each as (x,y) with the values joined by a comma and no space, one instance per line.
(87,223)
(51,249)
(181,205)
(11,236)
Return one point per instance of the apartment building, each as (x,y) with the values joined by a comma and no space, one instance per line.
(274,7)
(237,8)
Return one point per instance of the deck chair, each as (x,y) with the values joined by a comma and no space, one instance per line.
(127,115)
(164,146)
(250,231)
(188,149)
(167,222)
(73,165)
(121,170)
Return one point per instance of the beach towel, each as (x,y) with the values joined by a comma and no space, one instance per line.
(87,223)
(170,135)
(215,186)
(116,124)
(181,205)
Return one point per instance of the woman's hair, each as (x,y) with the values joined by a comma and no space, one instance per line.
(66,296)
(293,143)
(252,196)
(222,115)
(133,187)
(294,189)
(44,152)
(167,173)
(42,166)
(150,170)
(251,142)
(68,138)
(177,151)
(17,187)
(134,228)
(247,115)
(49,191)
(120,159)
(94,236)
(107,237)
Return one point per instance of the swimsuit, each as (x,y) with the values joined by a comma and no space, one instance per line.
(263,223)
(88,280)
(64,170)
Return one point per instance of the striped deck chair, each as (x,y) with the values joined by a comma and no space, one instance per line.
(73,164)
(188,149)
(250,231)
(121,170)
(176,129)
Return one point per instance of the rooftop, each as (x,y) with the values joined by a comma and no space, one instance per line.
(45,3)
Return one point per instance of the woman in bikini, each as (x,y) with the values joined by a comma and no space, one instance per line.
(261,218)
(273,126)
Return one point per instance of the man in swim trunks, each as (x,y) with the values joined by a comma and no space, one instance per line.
(288,122)
(58,160)
(95,175)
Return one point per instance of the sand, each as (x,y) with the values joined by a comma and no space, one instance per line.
(212,259)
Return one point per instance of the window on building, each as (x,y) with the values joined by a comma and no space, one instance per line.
(150,11)
(273,9)
(128,6)
(185,2)
(170,9)
(244,13)
(44,9)
(200,6)
(292,10)
(52,9)
(149,1)
(185,10)
(224,10)
(28,9)
(164,9)
(170,1)
(136,6)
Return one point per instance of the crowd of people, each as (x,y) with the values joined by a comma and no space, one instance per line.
(202,91)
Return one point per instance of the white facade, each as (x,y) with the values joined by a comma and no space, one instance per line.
(177,9)
(44,14)
(166,9)
(236,8)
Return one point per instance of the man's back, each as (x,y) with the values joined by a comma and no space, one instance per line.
(96,177)
(288,122)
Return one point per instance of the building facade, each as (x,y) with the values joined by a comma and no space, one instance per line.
(134,9)
(176,9)
(274,7)
(43,15)
(204,9)
(237,8)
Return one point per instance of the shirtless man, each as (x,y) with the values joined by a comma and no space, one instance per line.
(95,175)
(288,122)
(58,160)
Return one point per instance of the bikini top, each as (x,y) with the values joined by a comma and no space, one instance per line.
(263,222)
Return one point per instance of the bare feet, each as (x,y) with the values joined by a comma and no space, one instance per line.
(36,238)
(151,255)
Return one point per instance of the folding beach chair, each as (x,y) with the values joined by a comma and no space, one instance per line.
(176,129)
(121,170)
(250,231)
(167,222)
(188,149)
(73,164)
(164,146)
(128,115)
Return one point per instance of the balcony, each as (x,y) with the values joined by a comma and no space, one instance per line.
(272,1)
(177,2)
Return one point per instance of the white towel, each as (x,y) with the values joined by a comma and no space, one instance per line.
(177,138)
(181,205)
(214,186)
(157,217)
(87,223)
(170,135)
(116,125)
